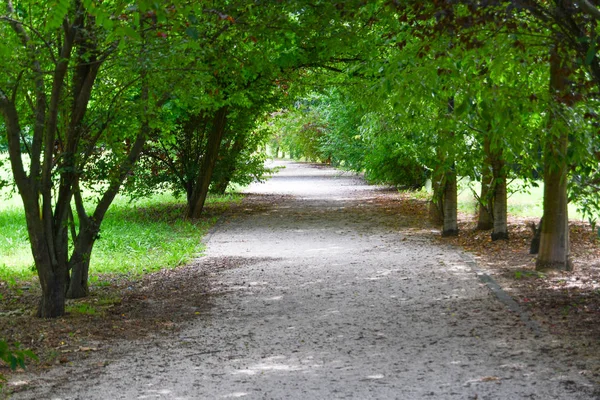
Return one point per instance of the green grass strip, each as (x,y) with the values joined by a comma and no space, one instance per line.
(135,238)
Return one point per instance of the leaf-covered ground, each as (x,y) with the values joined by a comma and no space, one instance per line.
(566,304)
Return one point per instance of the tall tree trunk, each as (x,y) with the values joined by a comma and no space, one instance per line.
(485,219)
(485,212)
(500,205)
(51,274)
(554,237)
(436,204)
(198,197)
(450,204)
(500,231)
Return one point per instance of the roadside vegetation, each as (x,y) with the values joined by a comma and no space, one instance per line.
(137,237)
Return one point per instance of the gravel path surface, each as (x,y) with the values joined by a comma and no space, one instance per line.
(328,296)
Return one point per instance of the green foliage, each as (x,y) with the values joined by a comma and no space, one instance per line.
(13,356)
(83,309)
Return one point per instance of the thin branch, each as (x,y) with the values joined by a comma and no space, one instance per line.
(35,31)
(473,128)
(589,8)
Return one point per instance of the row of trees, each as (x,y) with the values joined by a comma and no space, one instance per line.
(97,96)
(90,88)
(490,90)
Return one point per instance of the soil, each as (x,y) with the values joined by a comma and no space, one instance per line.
(320,286)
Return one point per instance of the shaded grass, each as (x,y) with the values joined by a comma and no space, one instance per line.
(135,238)
(527,202)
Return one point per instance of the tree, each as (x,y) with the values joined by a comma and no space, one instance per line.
(251,61)
(74,76)
(554,236)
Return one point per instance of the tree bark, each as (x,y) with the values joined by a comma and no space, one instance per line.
(485,219)
(500,205)
(52,303)
(436,204)
(450,227)
(198,198)
(554,237)
(500,231)
(221,185)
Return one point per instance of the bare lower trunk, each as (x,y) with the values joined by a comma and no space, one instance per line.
(500,207)
(52,277)
(554,236)
(485,219)
(436,204)
(220,186)
(450,205)
(79,266)
(500,231)
(52,303)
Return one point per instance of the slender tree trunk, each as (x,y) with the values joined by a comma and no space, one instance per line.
(198,197)
(554,237)
(500,231)
(450,204)
(485,219)
(229,170)
(500,206)
(436,204)
(79,264)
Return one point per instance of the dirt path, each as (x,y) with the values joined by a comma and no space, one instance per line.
(326,294)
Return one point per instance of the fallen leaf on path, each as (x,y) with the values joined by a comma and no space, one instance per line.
(88,349)
(489,379)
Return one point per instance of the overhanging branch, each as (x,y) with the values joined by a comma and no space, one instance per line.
(590,9)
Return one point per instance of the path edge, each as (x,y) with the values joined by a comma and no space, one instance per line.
(502,295)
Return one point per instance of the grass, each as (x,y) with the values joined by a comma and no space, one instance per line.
(83,309)
(522,202)
(135,238)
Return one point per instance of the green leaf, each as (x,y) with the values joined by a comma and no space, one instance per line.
(192,32)
(57,12)
(128,31)
(591,53)
(462,107)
